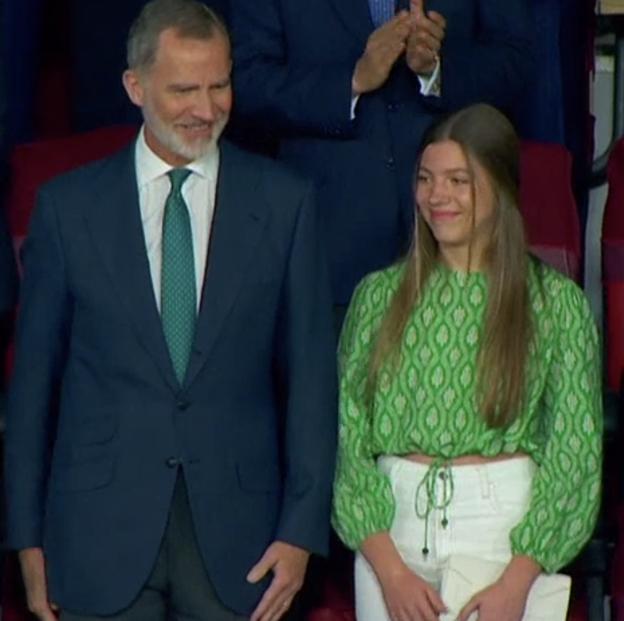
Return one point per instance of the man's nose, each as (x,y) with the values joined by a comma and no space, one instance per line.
(205,107)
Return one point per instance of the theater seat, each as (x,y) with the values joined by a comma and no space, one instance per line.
(34,163)
(31,165)
(613,266)
(553,229)
(613,287)
(548,206)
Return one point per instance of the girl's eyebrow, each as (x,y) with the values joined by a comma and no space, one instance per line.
(447,170)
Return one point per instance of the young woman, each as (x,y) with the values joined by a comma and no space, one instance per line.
(470,413)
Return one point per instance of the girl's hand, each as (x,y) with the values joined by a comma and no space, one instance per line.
(505,600)
(410,598)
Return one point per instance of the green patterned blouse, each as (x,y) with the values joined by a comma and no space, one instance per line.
(426,404)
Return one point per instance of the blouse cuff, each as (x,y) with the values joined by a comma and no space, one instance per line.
(353,532)
(543,552)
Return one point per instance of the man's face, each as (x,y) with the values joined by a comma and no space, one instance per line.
(185,96)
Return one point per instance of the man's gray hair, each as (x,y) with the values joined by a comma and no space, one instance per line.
(190,18)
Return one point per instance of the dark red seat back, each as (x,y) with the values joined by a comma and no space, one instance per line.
(549,207)
(613,267)
(34,163)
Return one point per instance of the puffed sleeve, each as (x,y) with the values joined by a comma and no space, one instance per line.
(363,501)
(566,488)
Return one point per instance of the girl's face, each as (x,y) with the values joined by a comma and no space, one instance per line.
(457,202)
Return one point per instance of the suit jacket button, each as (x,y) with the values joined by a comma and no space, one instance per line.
(173,462)
(182,404)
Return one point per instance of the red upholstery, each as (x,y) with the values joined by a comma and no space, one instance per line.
(337,605)
(613,286)
(617,570)
(13,608)
(549,207)
(35,163)
(31,166)
(613,267)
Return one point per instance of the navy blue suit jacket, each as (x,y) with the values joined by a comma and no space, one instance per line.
(294,60)
(98,425)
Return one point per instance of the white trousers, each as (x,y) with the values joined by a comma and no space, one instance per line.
(483,503)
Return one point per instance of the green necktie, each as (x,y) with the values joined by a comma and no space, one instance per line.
(178,302)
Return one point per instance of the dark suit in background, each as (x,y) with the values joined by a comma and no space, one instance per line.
(293,67)
(8,269)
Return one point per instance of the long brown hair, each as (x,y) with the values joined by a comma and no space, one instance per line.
(488,139)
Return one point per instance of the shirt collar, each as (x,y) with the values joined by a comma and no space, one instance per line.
(150,167)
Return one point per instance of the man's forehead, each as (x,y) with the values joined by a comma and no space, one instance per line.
(173,38)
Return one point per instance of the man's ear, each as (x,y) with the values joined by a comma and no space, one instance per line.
(134,87)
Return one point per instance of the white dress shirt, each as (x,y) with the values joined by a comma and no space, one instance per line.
(199,191)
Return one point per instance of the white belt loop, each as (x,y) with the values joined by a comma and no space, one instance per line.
(484,481)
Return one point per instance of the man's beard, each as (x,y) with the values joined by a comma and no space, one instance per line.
(172,141)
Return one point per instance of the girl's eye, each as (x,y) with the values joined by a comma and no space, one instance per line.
(458,180)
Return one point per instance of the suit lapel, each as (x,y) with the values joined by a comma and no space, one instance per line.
(115,224)
(355,15)
(236,232)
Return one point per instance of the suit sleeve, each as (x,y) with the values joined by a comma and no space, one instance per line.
(40,347)
(307,364)
(273,90)
(494,65)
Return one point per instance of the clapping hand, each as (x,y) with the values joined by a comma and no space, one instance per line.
(427,31)
(383,48)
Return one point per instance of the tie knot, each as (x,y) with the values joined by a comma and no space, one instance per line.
(178,176)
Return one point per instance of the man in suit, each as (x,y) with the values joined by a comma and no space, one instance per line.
(349,88)
(172,413)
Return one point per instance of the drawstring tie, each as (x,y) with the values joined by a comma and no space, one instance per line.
(440,468)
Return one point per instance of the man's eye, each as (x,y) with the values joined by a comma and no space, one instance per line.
(422,178)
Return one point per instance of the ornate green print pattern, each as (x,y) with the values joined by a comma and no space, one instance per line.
(426,403)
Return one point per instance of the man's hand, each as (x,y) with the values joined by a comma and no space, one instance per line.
(288,564)
(427,32)
(383,48)
(33,571)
